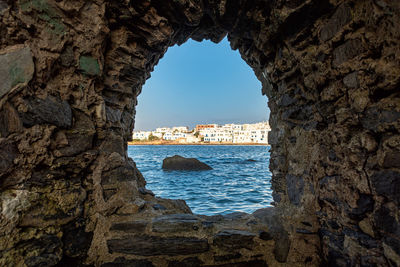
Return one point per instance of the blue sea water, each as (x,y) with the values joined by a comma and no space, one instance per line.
(240,179)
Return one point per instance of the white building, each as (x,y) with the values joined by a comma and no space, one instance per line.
(163,130)
(157,134)
(181,129)
(189,138)
(141,135)
(172,136)
(212,133)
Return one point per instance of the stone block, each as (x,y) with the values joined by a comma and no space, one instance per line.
(145,245)
(385,222)
(16,65)
(295,188)
(113,142)
(286,100)
(394,243)
(3,6)
(113,115)
(347,51)
(188,262)
(77,143)
(234,239)
(351,80)
(365,203)
(252,263)
(375,118)
(76,241)
(392,159)
(7,156)
(119,262)
(49,110)
(228,257)
(340,18)
(265,236)
(120,174)
(387,183)
(282,246)
(89,65)
(130,227)
(175,223)
(42,251)
(10,121)
(67,57)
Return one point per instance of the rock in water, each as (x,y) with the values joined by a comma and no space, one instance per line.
(180,163)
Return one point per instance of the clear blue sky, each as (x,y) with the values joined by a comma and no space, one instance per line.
(198,83)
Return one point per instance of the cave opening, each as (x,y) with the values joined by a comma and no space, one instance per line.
(196,85)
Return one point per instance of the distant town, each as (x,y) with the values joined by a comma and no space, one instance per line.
(256,133)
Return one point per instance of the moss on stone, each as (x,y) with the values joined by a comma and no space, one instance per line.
(16,75)
(39,5)
(89,65)
(48,14)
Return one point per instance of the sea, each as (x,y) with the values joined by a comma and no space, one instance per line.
(240,180)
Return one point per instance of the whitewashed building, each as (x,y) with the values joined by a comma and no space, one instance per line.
(141,135)
(212,133)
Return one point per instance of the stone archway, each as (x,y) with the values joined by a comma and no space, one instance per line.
(71,73)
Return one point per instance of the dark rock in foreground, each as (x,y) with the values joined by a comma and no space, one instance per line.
(145,245)
(180,163)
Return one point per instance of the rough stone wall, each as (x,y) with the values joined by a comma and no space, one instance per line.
(71,71)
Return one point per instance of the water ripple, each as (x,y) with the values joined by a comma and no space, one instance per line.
(240,179)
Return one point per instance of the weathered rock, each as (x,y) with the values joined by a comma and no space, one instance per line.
(159,207)
(120,174)
(44,251)
(392,159)
(254,263)
(67,57)
(282,246)
(228,257)
(89,65)
(76,241)
(144,191)
(16,65)
(340,18)
(118,262)
(49,110)
(347,51)
(151,245)
(387,183)
(295,188)
(3,6)
(180,163)
(365,204)
(234,239)
(188,262)
(9,153)
(130,227)
(375,116)
(351,80)
(175,223)
(10,121)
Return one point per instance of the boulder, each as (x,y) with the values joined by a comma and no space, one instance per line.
(180,163)
(16,65)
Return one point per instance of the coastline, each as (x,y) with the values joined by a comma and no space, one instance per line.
(169,143)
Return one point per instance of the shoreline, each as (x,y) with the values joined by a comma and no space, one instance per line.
(192,144)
